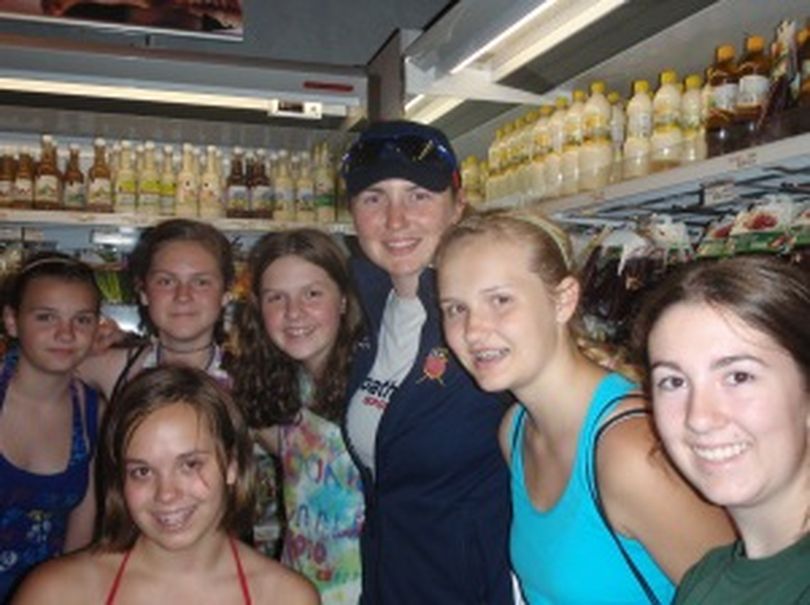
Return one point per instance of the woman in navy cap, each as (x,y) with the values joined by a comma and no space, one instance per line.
(423,435)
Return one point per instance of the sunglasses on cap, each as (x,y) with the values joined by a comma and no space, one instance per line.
(408,147)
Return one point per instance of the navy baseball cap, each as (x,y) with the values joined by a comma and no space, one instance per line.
(400,149)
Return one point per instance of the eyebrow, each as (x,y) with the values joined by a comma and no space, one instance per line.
(182,455)
(715,365)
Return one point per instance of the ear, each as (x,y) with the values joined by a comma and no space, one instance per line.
(10,321)
(566,299)
(459,205)
(144,300)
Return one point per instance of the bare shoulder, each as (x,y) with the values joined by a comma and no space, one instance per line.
(78,578)
(271,583)
(505,436)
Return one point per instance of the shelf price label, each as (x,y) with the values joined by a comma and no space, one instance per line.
(720,192)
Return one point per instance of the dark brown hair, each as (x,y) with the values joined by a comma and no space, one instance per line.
(765,292)
(266,379)
(148,392)
(179,230)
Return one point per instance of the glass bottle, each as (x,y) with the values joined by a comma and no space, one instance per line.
(285,199)
(23,190)
(46,177)
(99,180)
(73,181)
(186,202)
(168,182)
(304,191)
(754,71)
(210,185)
(126,181)
(261,188)
(149,182)
(7,170)
(324,186)
(724,80)
(236,191)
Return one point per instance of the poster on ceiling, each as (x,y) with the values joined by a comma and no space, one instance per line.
(217,18)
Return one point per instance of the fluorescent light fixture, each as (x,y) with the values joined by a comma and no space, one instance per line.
(434,109)
(509,31)
(414,102)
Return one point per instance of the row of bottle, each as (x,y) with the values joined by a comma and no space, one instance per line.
(134,179)
(594,140)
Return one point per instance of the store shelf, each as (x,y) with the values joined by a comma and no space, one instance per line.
(138,221)
(696,192)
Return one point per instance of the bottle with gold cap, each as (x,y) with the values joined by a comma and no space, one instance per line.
(667,138)
(553,163)
(471,181)
(754,71)
(540,146)
(694,134)
(639,131)
(596,153)
(724,80)
(618,125)
(574,129)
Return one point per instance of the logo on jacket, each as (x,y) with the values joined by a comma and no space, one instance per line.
(435,365)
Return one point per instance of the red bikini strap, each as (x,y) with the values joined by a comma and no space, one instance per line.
(117,580)
(240,571)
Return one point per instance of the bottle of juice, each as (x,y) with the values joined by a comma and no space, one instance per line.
(168,182)
(305,191)
(99,180)
(236,191)
(186,203)
(754,71)
(667,138)
(325,186)
(210,196)
(73,181)
(596,153)
(540,147)
(574,134)
(723,102)
(46,177)
(7,170)
(149,182)
(493,156)
(694,135)
(126,182)
(285,196)
(639,131)
(617,134)
(261,188)
(553,163)
(505,185)
(24,180)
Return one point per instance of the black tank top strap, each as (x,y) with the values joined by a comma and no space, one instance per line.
(132,356)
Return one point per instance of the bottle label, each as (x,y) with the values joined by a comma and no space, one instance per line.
(125,195)
(639,125)
(665,118)
(210,194)
(285,203)
(238,197)
(261,199)
(5,192)
(596,127)
(46,189)
(306,199)
(186,199)
(74,195)
(724,98)
(24,190)
(753,91)
(99,193)
(149,196)
(573,132)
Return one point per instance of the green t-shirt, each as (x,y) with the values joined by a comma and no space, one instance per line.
(725,576)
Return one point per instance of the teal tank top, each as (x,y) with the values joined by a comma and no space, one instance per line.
(565,555)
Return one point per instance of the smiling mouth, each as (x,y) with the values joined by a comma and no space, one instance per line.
(485,357)
(401,246)
(174,520)
(722,453)
(299,332)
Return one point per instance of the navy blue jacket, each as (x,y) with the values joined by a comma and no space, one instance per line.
(437,508)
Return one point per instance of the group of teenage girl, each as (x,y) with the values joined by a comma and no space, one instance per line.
(446,434)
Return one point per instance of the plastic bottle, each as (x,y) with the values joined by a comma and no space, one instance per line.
(73,191)
(6,176)
(618,124)
(23,189)
(553,163)
(723,102)
(261,188)
(46,176)
(187,200)
(667,138)
(168,182)
(574,134)
(540,147)
(285,196)
(305,190)
(99,180)
(493,161)
(694,134)
(210,204)
(639,131)
(126,188)
(596,153)
(149,182)
(754,72)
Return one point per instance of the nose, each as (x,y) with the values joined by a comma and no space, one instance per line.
(182,290)
(396,214)
(704,412)
(65,330)
(293,308)
(166,490)
(476,326)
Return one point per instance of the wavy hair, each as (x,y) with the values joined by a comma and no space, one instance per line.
(265,379)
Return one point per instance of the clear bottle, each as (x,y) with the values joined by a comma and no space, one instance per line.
(639,130)
(73,189)
(149,182)
(754,71)
(168,182)
(237,204)
(723,102)
(618,124)
(553,163)
(506,183)
(667,138)
(285,194)
(261,188)
(540,147)
(523,178)
(47,177)
(99,180)
(596,153)
(324,186)
(186,203)
(574,135)
(126,182)
(694,134)
(7,170)
(493,160)
(23,190)
(305,191)
(210,196)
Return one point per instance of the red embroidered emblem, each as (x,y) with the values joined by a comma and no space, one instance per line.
(435,365)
